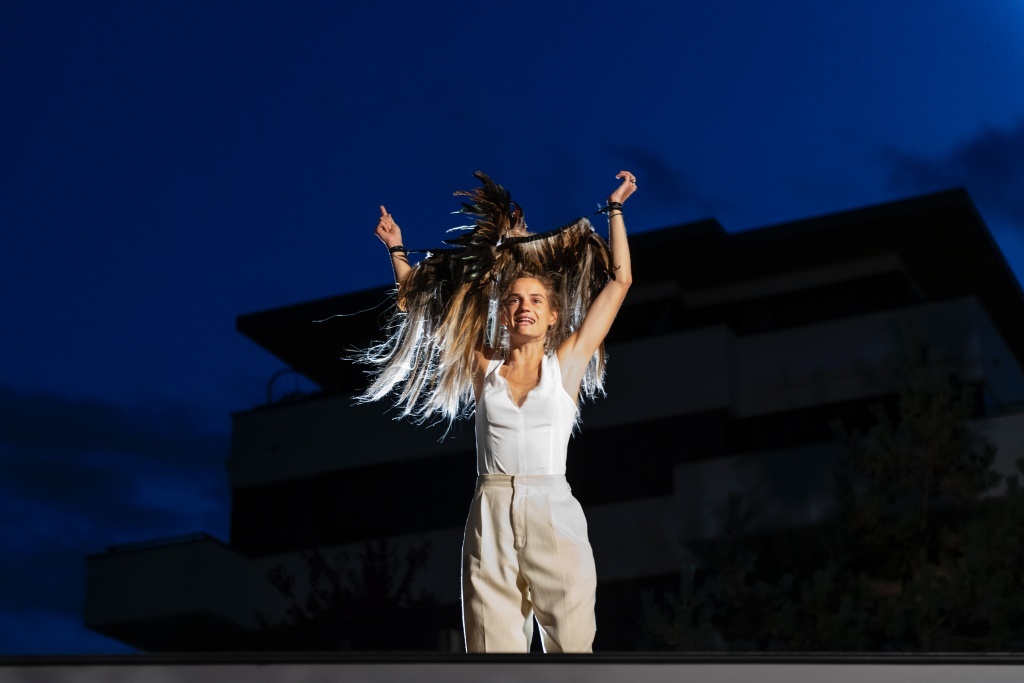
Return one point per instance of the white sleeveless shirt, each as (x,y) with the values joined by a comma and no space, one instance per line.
(531,439)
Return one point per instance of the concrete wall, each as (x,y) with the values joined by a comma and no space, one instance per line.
(657,377)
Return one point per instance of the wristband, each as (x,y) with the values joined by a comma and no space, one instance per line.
(397,247)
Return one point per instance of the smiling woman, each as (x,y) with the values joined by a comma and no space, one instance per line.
(511,325)
(448,305)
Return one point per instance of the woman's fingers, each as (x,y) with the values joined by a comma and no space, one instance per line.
(385,222)
(387,230)
(624,190)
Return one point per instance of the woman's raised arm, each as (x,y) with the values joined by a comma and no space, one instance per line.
(391,235)
(575,353)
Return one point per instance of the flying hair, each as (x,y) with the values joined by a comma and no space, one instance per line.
(448,305)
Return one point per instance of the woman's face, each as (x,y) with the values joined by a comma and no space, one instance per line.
(527,310)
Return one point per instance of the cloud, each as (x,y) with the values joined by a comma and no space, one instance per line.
(77,476)
(37,631)
(664,184)
(46,422)
(990,165)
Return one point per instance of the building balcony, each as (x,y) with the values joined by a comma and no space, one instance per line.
(176,594)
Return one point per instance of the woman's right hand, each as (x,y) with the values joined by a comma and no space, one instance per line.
(387,230)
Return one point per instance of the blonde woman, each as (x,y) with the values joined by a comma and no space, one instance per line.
(511,326)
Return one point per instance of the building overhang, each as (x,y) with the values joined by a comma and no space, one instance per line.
(936,246)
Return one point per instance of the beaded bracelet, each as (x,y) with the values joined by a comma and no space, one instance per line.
(612,206)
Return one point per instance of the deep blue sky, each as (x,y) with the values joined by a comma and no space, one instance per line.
(167,166)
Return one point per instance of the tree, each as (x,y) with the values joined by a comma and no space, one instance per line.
(682,620)
(923,556)
(917,482)
(367,604)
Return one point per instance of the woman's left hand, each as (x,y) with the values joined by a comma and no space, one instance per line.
(623,191)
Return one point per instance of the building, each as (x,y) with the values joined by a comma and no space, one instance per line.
(728,362)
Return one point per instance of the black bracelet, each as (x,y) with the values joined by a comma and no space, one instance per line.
(614,205)
(397,247)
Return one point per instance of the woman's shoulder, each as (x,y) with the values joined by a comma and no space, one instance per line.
(485,355)
(487,359)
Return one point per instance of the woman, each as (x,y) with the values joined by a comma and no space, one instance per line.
(492,318)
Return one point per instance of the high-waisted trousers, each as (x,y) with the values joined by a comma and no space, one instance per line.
(526,554)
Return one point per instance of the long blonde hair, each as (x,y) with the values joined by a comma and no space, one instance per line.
(447,306)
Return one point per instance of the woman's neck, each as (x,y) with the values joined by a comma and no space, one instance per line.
(529,354)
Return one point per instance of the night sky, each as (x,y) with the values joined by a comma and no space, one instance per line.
(168,166)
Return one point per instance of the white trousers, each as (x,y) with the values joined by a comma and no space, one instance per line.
(526,554)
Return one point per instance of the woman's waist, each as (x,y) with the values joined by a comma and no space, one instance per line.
(494,480)
(520,461)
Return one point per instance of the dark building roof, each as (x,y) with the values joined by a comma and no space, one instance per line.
(937,248)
